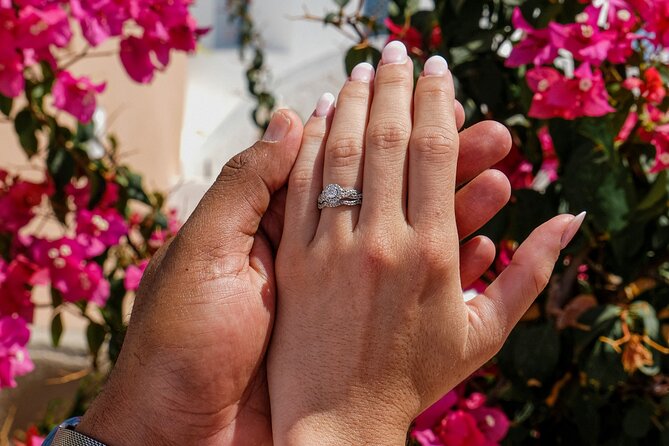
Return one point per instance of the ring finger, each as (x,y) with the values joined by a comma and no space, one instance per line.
(344,150)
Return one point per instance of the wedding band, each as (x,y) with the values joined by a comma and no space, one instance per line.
(334,196)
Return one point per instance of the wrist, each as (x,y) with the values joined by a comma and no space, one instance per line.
(116,418)
(332,429)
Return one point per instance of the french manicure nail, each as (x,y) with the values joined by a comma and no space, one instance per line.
(394,52)
(572,229)
(278,128)
(363,72)
(324,105)
(435,66)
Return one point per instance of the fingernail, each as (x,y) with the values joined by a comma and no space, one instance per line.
(324,105)
(394,52)
(435,66)
(572,229)
(363,72)
(278,128)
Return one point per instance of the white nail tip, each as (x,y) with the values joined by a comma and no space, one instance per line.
(362,72)
(435,66)
(324,105)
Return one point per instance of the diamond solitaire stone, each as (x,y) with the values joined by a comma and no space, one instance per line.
(334,195)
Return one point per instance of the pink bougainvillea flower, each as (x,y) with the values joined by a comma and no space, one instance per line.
(459,428)
(16,280)
(14,358)
(584,40)
(104,227)
(628,127)
(17,202)
(70,272)
(136,58)
(133,275)
(556,96)
(431,416)
(77,96)
(492,422)
(660,140)
(650,88)
(473,401)
(535,46)
(101,20)
(655,14)
(589,42)
(43,26)
(12,82)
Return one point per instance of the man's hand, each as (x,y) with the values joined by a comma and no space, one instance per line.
(191,370)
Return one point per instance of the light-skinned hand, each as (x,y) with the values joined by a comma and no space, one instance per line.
(371,326)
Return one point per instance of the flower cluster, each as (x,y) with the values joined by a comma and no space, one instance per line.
(461,420)
(596,36)
(40,31)
(74,265)
(569,63)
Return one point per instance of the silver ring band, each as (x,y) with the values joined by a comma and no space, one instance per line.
(334,196)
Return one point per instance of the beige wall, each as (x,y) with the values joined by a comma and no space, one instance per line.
(147,119)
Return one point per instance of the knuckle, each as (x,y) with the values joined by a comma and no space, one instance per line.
(540,278)
(436,91)
(301,181)
(388,134)
(395,77)
(313,136)
(377,254)
(354,92)
(345,150)
(434,256)
(434,141)
(239,165)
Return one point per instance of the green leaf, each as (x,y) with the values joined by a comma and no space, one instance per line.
(531,352)
(98,187)
(135,189)
(342,3)
(95,334)
(359,54)
(56,329)
(592,182)
(6,105)
(61,166)
(331,17)
(26,128)
(602,364)
(657,193)
(85,132)
(637,419)
(56,298)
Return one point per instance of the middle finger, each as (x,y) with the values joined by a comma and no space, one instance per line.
(388,132)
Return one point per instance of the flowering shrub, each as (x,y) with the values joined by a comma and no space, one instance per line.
(581,85)
(85,229)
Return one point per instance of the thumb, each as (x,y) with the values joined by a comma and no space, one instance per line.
(505,301)
(230,212)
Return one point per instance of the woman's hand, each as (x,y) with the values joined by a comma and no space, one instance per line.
(371,326)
